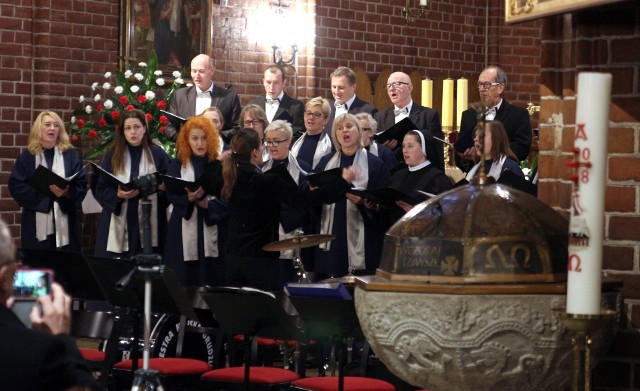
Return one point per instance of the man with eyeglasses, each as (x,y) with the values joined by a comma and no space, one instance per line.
(516,121)
(193,100)
(343,89)
(43,357)
(277,104)
(399,89)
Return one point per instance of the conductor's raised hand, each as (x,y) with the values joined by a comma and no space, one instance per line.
(349,174)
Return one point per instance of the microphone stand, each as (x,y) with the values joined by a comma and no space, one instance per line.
(148,266)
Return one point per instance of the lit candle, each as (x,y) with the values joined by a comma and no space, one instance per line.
(584,269)
(427,93)
(447,102)
(462,98)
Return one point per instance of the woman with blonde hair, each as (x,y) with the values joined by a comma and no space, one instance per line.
(358,243)
(193,236)
(133,157)
(314,143)
(49,220)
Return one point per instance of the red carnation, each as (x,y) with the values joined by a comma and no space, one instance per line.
(162,105)
(80,123)
(142,98)
(149,117)
(102,122)
(163,119)
(124,100)
(115,114)
(74,137)
(99,107)
(117,129)
(93,133)
(161,130)
(129,108)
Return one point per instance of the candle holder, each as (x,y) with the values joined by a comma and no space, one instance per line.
(449,160)
(582,327)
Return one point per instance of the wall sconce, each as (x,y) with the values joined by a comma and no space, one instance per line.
(411,13)
(278,56)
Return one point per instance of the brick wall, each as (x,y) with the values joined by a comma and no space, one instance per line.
(70,44)
(603,39)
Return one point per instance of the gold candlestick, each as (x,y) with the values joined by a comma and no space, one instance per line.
(581,327)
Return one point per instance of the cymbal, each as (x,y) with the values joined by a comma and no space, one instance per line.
(303,241)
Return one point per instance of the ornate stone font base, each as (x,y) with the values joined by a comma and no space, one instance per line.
(446,342)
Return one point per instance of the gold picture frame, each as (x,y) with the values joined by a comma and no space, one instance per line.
(176,33)
(523,10)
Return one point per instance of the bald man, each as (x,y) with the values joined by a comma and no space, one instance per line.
(190,101)
(399,89)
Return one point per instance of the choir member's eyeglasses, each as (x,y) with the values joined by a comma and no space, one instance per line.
(367,129)
(486,85)
(254,122)
(396,84)
(313,114)
(273,143)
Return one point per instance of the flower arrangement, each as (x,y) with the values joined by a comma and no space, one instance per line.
(143,88)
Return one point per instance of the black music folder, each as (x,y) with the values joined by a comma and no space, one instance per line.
(114,182)
(396,132)
(42,178)
(325,178)
(177,185)
(175,120)
(512,179)
(388,196)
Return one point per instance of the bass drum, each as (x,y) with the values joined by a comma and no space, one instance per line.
(197,344)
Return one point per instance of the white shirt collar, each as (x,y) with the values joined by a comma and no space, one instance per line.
(408,106)
(419,166)
(279,97)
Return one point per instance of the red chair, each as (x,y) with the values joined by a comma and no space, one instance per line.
(351,383)
(174,373)
(260,378)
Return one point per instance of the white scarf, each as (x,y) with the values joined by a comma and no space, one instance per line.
(190,228)
(118,241)
(494,171)
(56,221)
(294,170)
(322,149)
(355,223)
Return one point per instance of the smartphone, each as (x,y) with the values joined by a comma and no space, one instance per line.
(29,284)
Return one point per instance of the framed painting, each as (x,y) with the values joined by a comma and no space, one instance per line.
(522,10)
(176,29)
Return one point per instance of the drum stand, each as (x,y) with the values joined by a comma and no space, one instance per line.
(297,264)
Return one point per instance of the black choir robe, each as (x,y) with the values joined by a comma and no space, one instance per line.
(335,262)
(107,198)
(428,179)
(33,201)
(204,270)
(254,207)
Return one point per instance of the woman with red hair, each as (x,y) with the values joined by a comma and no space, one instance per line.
(193,248)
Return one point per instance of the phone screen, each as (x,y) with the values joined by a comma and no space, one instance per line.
(29,284)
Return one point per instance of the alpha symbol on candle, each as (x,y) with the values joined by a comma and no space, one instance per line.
(580,133)
(577,208)
(578,267)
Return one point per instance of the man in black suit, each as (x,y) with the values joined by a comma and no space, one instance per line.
(277,104)
(43,358)
(193,100)
(399,89)
(491,85)
(343,89)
